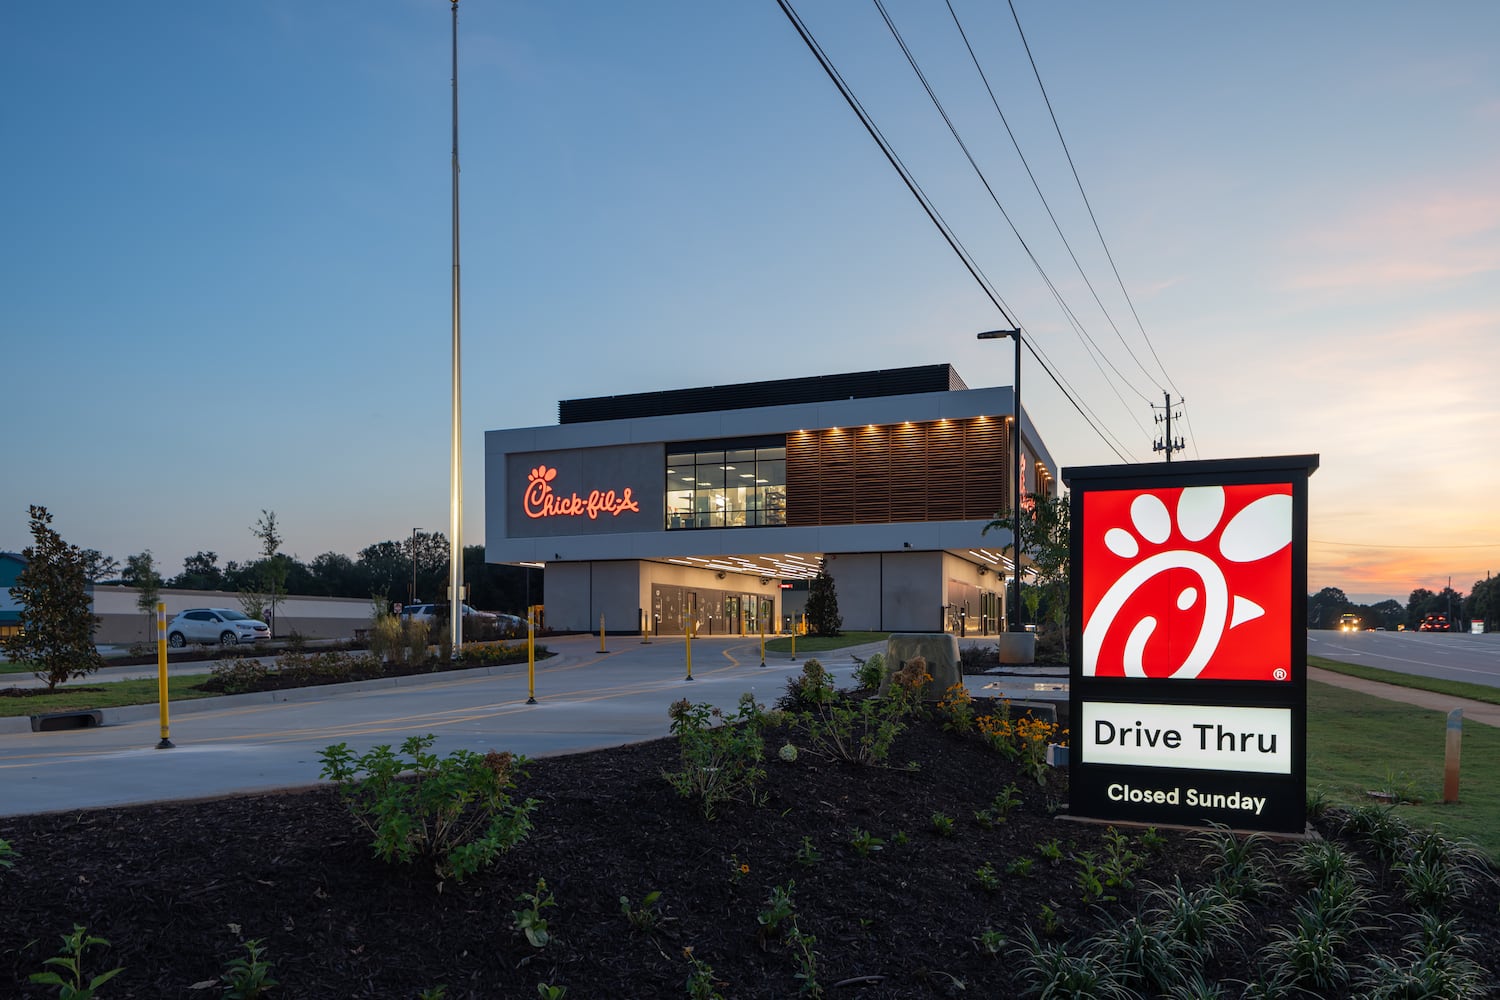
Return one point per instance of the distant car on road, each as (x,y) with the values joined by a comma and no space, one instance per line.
(215,626)
(1435,623)
(1349,623)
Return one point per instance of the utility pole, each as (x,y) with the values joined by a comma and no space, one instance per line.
(1167,443)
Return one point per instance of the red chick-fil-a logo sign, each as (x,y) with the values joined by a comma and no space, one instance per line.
(539,500)
(1192,582)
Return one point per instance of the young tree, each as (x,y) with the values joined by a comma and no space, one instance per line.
(57,621)
(273,570)
(140,571)
(823,616)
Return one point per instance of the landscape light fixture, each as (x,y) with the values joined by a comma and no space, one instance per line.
(1013,617)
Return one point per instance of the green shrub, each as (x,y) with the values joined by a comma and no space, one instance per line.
(385,638)
(860,732)
(71,985)
(871,673)
(809,689)
(720,756)
(455,810)
(236,676)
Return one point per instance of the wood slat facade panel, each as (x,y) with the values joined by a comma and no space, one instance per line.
(837,502)
(804,479)
(946,471)
(907,469)
(872,475)
(985,469)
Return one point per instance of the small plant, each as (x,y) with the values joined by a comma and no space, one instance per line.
(1090,879)
(1051,923)
(1238,862)
(807,854)
(529,920)
(433,993)
(779,910)
(737,869)
(1153,840)
(1310,954)
(991,942)
(1143,958)
(646,917)
(1049,971)
(900,839)
(701,984)
(549,992)
(864,842)
(1121,862)
(1020,867)
(455,810)
(956,708)
(857,732)
(809,689)
(1051,850)
(987,877)
(942,824)
(908,687)
(1318,803)
(7,854)
(1201,919)
(248,976)
(70,982)
(720,757)
(999,810)
(788,753)
(870,674)
(806,959)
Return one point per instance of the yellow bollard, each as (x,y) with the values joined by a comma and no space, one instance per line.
(689,634)
(793,630)
(161,674)
(762,643)
(531,656)
(601,634)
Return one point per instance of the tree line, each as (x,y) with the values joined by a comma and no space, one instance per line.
(1481,604)
(384,570)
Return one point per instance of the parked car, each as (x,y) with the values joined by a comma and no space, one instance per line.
(215,626)
(1435,623)
(428,612)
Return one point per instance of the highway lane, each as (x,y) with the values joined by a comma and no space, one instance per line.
(1457,656)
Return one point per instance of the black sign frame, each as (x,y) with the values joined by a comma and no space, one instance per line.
(1245,800)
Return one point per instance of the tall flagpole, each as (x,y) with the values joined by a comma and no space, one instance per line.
(456,476)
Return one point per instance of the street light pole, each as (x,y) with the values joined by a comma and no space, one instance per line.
(1013,619)
(413,598)
(456,478)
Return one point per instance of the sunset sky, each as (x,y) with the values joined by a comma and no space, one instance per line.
(226,264)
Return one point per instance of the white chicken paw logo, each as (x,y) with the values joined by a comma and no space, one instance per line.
(1165,572)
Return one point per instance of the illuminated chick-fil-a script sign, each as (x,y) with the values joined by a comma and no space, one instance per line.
(540,500)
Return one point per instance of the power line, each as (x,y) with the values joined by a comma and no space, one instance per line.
(932,213)
(1084,195)
(1096,353)
(995,102)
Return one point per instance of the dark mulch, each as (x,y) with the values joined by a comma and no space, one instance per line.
(176,888)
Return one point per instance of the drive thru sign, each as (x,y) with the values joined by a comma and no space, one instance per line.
(1188,691)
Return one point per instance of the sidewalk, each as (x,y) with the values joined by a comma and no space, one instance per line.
(1474,711)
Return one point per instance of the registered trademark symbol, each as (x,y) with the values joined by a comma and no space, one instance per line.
(1279,673)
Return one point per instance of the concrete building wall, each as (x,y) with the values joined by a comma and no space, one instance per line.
(121,621)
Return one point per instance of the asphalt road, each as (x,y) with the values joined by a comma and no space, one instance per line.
(1456,656)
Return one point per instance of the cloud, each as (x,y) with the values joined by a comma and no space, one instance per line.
(1435,232)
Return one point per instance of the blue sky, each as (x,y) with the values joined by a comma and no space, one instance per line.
(227,255)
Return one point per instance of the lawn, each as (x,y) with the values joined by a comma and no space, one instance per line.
(1458,689)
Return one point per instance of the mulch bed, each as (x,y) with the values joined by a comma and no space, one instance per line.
(177,888)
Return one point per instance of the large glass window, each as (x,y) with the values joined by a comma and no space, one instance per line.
(738,487)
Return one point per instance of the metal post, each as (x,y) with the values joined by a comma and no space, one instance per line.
(161,675)
(1013,614)
(601,634)
(688,632)
(1450,758)
(762,641)
(531,656)
(456,463)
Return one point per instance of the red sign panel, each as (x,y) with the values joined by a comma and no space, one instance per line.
(1188,582)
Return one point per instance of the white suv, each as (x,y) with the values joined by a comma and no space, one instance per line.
(215,625)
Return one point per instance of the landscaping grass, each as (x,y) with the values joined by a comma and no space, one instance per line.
(105,694)
(1459,689)
(823,643)
(1357,744)
(7,667)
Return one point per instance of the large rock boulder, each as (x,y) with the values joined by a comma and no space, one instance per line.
(939,649)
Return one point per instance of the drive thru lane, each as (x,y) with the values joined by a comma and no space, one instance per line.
(586,700)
